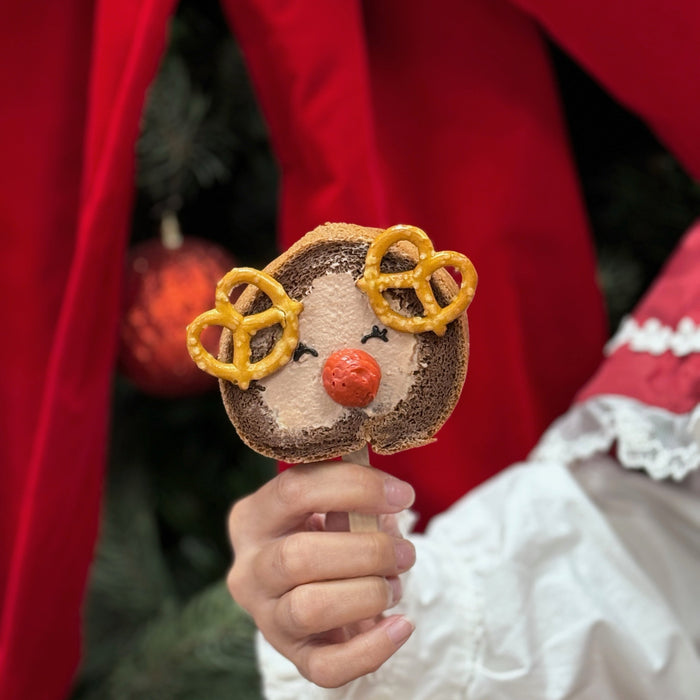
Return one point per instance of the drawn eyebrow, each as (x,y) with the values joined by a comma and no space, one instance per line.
(375,333)
(301,349)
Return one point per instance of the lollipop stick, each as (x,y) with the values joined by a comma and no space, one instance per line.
(361,522)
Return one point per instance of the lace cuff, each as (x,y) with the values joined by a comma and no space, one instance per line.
(654,337)
(664,444)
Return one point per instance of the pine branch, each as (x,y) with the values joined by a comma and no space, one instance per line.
(185,146)
(204,651)
(130,582)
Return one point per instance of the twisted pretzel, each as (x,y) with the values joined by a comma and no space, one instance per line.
(241,370)
(374,282)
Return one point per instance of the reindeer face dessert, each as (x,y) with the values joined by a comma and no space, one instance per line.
(352,336)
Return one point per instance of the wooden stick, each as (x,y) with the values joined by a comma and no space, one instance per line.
(361,522)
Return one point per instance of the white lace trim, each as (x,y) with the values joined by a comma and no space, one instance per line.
(654,337)
(664,444)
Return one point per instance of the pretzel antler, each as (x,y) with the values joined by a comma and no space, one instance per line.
(241,370)
(374,282)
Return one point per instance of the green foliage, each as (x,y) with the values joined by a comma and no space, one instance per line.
(202,651)
(185,148)
(639,200)
(203,150)
(159,620)
(643,206)
(130,582)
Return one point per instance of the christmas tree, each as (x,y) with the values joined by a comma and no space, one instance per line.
(159,620)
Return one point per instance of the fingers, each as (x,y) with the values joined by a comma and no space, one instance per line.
(333,665)
(315,590)
(322,556)
(322,606)
(326,486)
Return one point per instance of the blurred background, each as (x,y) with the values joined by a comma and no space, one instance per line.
(159,622)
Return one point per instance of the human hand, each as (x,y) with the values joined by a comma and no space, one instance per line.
(316,591)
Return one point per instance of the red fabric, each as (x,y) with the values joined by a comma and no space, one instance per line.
(75,76)
(447,120)
(665,379)
(315,93)
(644,52)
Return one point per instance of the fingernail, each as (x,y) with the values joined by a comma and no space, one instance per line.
(396,590)
(399,630)
(398,493)
(405,555)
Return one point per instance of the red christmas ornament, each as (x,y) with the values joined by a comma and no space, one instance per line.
(169,282)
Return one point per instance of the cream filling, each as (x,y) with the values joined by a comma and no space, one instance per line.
(337,315)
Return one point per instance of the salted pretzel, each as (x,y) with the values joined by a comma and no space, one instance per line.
(284,311)
(374,282)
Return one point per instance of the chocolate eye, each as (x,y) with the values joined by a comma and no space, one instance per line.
(301,350)
(375,333)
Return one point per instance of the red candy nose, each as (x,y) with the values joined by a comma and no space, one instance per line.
(351,377)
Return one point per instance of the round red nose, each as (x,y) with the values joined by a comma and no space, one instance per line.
(351,377)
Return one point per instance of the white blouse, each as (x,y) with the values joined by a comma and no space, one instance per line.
(567,576)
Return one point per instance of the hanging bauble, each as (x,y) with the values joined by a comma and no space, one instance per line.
(169,281)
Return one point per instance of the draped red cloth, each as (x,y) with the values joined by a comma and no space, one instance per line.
(446,118)
(74,75)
